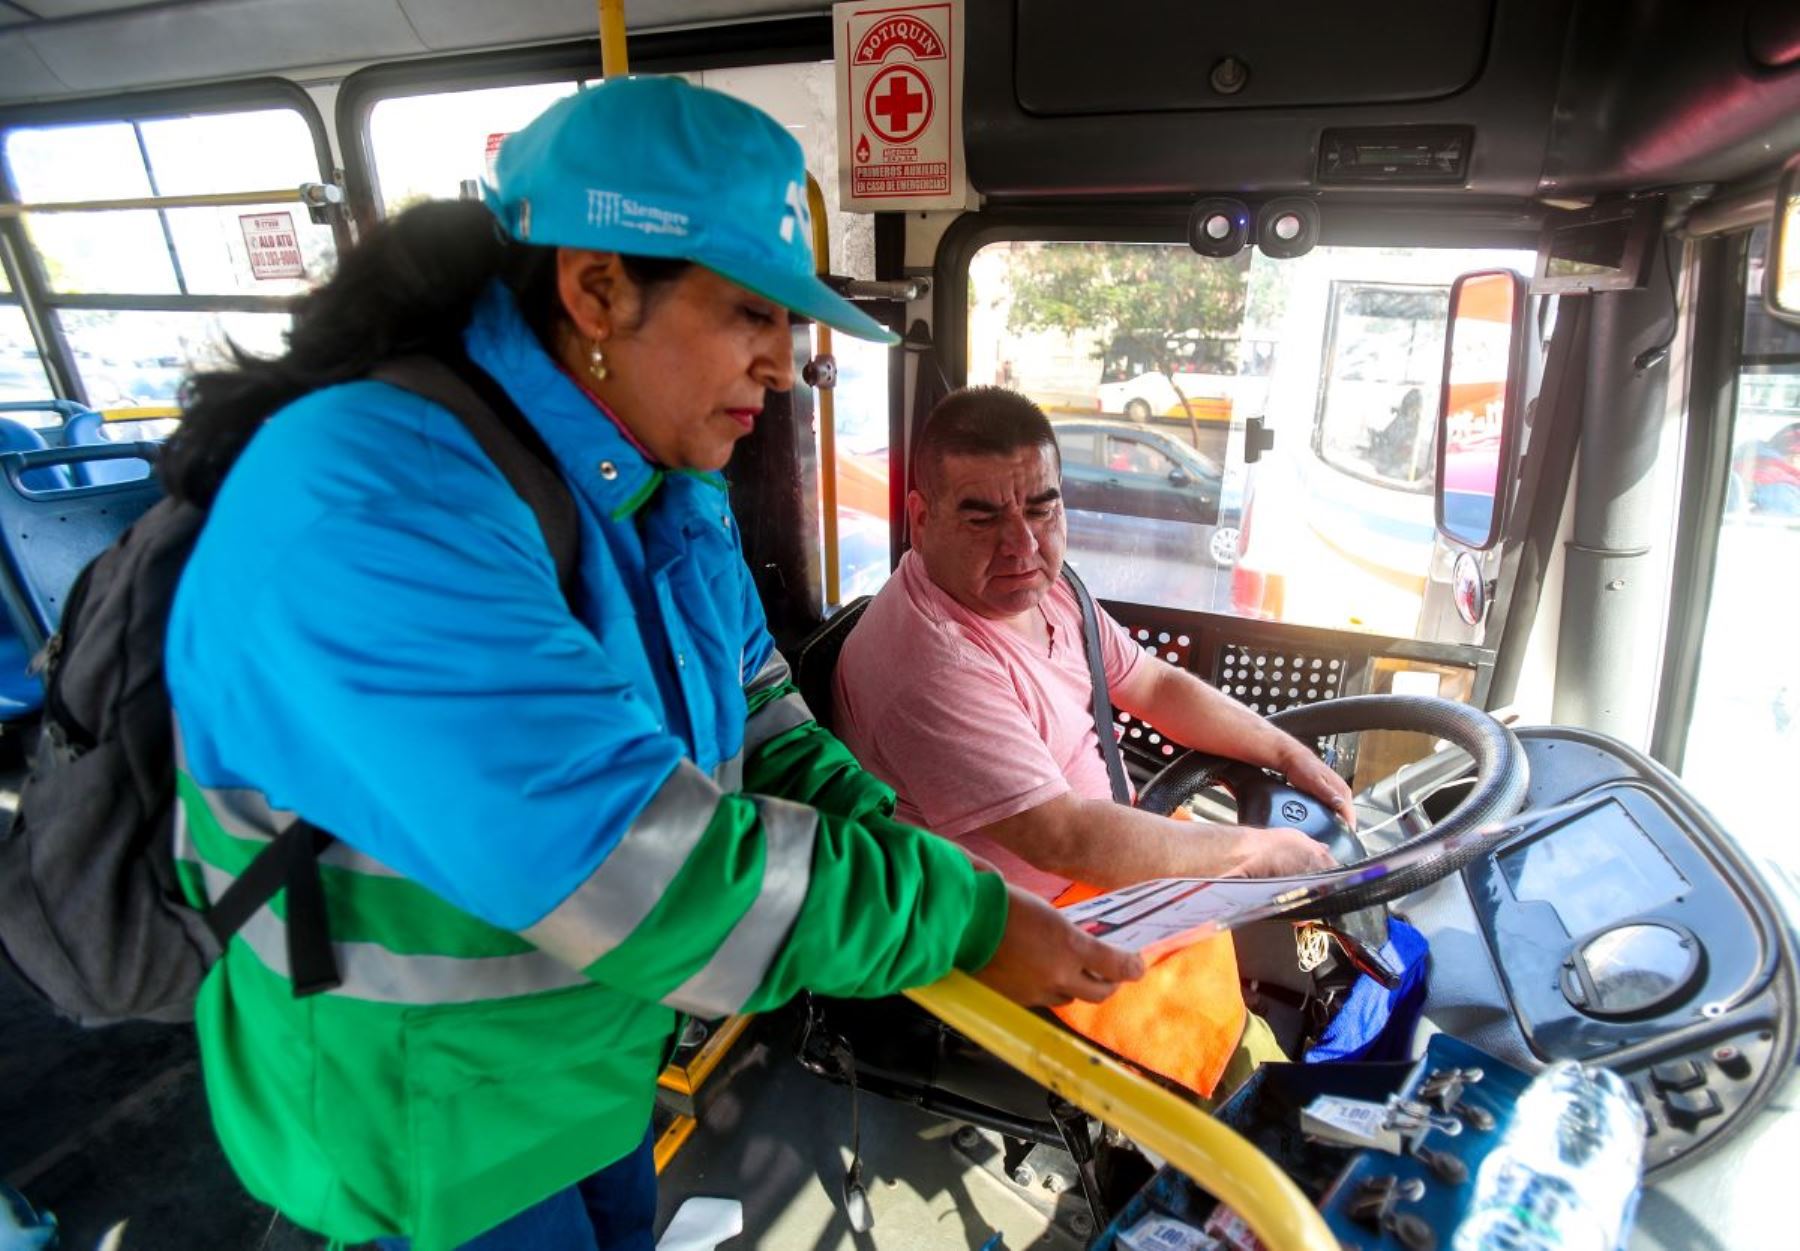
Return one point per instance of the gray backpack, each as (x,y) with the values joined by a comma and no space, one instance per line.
(91,915)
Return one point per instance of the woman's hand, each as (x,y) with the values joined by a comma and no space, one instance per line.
(1043,960)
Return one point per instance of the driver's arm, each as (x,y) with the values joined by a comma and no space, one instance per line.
(1194,714)
(1108,845)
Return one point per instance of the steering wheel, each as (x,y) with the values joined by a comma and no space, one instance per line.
(1501,775)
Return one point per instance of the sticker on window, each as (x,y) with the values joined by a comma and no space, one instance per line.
(274,247)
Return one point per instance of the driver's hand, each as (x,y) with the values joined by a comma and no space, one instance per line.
(1278,852)
(1043,960)
(1318,779)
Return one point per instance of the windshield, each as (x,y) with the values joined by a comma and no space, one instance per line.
(1338,352)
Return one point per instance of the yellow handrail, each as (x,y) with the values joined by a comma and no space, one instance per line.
(613,61)
(828,484)
(211,199)
(1213,1154)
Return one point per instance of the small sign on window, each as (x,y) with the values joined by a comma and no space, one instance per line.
(273,245)
(492,162)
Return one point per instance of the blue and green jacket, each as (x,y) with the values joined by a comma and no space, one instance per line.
(556,829)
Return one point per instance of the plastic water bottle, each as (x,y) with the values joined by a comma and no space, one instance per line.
(23,1227)
(1565,1175)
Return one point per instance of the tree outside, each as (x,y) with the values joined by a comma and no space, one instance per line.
(1167,303)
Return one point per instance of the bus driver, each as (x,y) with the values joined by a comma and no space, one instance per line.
(966,688)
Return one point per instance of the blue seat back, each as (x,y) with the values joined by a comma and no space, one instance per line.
(47,536)
(16,436)
(88,429)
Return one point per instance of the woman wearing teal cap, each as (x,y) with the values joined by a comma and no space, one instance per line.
(562,816)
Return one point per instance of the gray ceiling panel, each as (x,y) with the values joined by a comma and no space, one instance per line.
(227,38)
(78,8)
(24,72)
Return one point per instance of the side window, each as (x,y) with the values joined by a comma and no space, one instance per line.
(1077,446)
(1745,721)
(201,265)
(1136,456)
(1384,356)
(22,373)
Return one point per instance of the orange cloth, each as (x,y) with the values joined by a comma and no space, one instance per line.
(1182,1019)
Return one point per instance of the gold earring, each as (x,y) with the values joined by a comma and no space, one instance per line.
(597,363)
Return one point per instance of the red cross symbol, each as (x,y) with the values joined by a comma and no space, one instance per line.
(893,100)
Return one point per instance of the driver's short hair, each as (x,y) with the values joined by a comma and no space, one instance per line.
(978,421)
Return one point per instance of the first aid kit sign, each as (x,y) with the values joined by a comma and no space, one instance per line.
(899,80)
(274,247)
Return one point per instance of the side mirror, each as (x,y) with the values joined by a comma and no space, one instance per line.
(1179,478)
(1781,274)
(1481,403)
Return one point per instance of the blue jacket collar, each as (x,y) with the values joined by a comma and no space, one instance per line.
(594,454)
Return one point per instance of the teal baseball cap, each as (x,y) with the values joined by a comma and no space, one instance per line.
(658,167)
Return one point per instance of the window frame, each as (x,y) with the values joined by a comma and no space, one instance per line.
(1422,223)
(778,42)
(1342,291)
(30,283)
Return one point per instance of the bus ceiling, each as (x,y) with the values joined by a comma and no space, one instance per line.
(1511,99)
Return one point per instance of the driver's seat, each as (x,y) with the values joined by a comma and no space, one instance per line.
(891,1046)
(815,660)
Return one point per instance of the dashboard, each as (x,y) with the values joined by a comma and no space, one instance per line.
(1624,929)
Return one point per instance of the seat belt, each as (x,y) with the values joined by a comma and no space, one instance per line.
(1103,709)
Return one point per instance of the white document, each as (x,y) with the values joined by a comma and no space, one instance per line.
(1167,914)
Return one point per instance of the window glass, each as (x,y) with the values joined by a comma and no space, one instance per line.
(1136,456)
(271,249)
(860,412)
(252,151)
(1333,527)
(133,359)
(1384,358)
(426,146)
(22,373)
(1746,718)
(1077,445)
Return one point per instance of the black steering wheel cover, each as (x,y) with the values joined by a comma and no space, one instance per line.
(1501,778)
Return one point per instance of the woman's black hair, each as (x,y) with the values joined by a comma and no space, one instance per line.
(410,286)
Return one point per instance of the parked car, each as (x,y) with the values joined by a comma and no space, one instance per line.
(1130,487)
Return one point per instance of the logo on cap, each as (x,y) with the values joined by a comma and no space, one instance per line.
(610,208)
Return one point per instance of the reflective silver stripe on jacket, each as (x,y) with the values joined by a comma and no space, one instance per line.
(370,971)
(778,716)
(738,967)
(775,672)
(730,774)
(618,895)
(245,813)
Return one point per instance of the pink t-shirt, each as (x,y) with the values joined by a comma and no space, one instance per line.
(969,721)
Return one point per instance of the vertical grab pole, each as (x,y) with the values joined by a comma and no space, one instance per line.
(815,204)
(613,61)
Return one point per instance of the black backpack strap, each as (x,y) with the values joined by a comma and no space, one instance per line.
(290,862)
(1103,709)
(453,381)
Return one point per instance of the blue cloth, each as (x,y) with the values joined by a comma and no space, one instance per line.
(659,167)
(1376,1024)
(614,1210)
(413,733)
